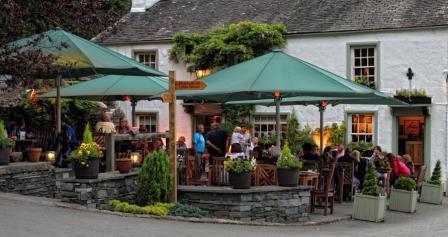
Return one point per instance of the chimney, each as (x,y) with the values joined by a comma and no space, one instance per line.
(142,5)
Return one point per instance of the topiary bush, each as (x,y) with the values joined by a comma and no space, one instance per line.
(405,183)
(154,182)
(436,177)
(186,210)
(371,182)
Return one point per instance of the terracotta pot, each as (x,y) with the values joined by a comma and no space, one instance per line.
(33,154)
(240,181)
(89,171)
(288,177)
(124,165)
(4,156)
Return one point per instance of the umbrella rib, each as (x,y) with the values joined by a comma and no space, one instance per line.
(262,70)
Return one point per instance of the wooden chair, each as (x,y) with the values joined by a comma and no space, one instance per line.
(324,198)
(419,177)
(387,185)
(191,172)
(100,139)
(217,175)
(347,171)
(312,165)
(44,139)
(265,175)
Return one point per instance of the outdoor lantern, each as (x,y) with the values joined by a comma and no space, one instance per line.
(136,158)
(51,156)
(200,73)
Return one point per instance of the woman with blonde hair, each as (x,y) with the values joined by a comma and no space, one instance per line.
(407,159)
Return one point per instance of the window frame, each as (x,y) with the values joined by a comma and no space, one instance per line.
(135,54)
(269,114)
(350,59)
(348,123)
(138,114)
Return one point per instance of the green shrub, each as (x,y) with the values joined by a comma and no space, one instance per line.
(363,147)
(4,141)
(154,182)
(186,210)
(436,177)
(158,209)
(239,165)
(405,183)
(411,92)
(337,134)
(287,160)
(371,182)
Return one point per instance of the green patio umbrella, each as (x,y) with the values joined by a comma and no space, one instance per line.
(78,57)
(274,73)
(377,98)
(116,87)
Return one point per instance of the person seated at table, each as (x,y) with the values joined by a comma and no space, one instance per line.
(348,157)
(316,150)
(106,125)
(181,147)
(399,168)
(124,127)
(156,144)
(407,159)
(361,168)
(257,154)
(327,155)
(340,151)
(308,153)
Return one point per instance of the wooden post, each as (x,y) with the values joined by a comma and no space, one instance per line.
(172,134)
(110,152)
(134,117)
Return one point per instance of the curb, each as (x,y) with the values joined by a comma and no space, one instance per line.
(56,203)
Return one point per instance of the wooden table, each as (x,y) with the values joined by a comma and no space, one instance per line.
(309,178)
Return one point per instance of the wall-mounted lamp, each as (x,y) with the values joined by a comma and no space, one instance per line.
(200,73)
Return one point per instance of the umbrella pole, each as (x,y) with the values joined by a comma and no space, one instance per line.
(277,120)
(134,118)
(321,131)
(58,104)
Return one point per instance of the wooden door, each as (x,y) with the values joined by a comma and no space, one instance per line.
(415,150)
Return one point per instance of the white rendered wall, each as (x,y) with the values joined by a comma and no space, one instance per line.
(425,51)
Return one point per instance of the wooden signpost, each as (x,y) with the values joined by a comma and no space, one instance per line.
(170,97)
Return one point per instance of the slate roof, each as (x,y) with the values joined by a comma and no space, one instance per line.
(166,17)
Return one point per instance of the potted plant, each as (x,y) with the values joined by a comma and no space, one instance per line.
(6,145)
(124,164)
(33,153)
(432,190)
(86,158)
(288,168)
(370,204)
(240,170)
(415,96)
(403,196)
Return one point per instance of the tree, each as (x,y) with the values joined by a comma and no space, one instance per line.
(436,177)
(225,46)
(371,182)
(22,18)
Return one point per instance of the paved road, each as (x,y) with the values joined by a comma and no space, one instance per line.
(19,218)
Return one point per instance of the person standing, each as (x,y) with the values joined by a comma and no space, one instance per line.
(216,141)
(199,147)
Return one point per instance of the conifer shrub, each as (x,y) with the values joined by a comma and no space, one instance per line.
(436,178)
(405,183)
(186,210)
(371,182)
(154,182)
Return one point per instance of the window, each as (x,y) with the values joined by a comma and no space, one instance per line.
(264,125)
(364,65)
(361,127)
(148,58)
(147,122)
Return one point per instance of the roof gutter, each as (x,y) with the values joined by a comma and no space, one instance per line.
(288,34)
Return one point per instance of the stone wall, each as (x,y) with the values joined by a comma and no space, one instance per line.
(261,204)
(96,193)
(28,178)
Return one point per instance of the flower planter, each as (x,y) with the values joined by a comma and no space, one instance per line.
(4,156)
(402,200)
(89,171)
(33,154)
(288,177)
(369,208)
(432,193)
(124,165)
(240,181)
(414,99)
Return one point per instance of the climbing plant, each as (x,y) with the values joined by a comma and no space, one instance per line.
(224,46)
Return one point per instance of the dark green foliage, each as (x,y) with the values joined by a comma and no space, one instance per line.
(436,177)
(4,141)
(292,133)
(223,47)
(362,147)
(337,134)
(186,210)
(238,115)
(405,183)
(287,160)
(370,182)
(154,180)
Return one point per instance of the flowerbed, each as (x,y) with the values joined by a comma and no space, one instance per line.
(159,209)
